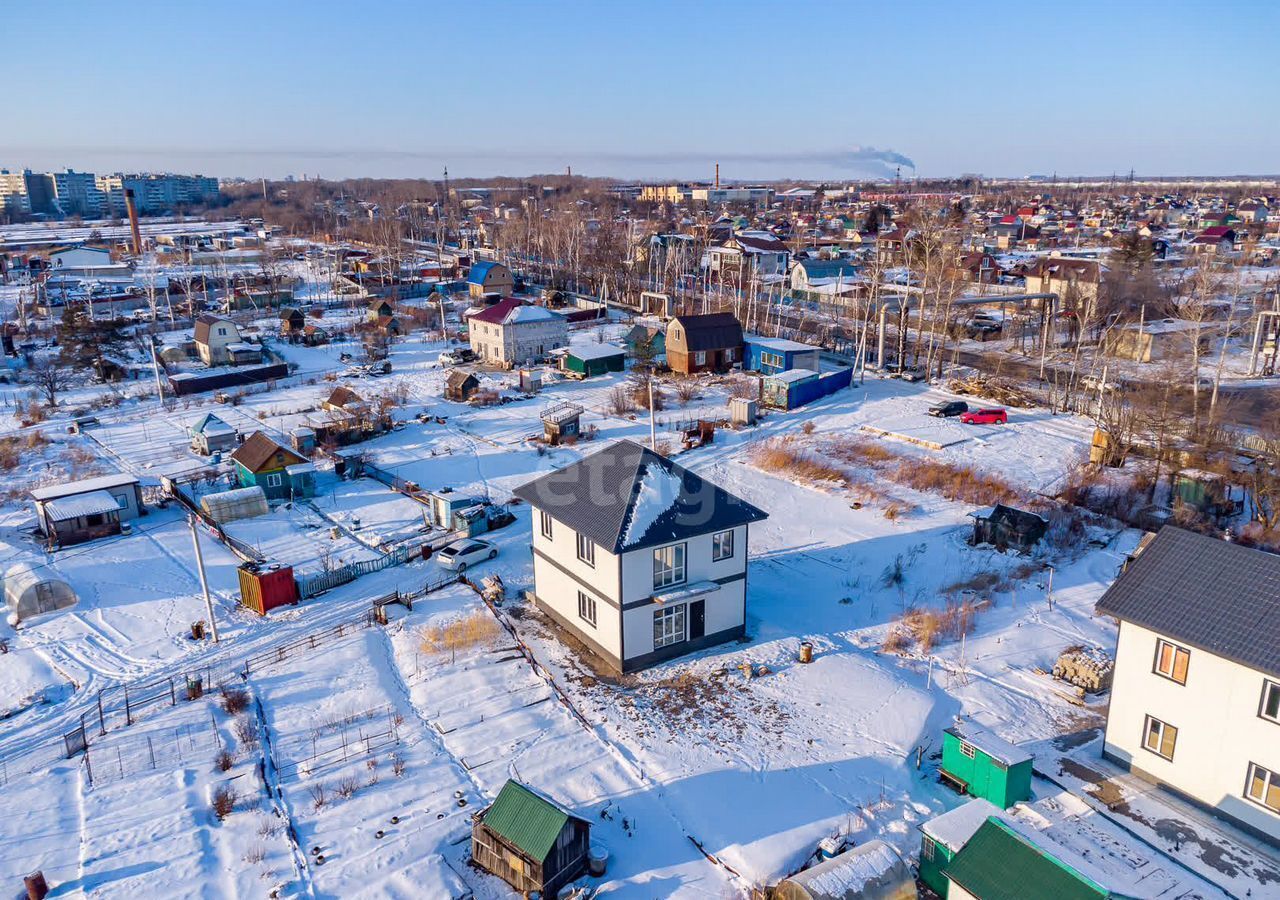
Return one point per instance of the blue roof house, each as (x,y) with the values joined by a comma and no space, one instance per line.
(773,355)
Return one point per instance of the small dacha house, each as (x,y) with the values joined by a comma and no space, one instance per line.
(530,841)
(1005,527)
(281,473)
(707,343)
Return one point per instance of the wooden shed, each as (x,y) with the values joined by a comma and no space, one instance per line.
(460,385)
(530,841)
(985,765)
(1005,527)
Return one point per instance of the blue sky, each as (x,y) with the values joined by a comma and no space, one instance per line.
(642,90)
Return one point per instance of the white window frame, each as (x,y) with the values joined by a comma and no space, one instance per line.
(586,549)
(1269,689)
(1269,780)
(717,545)
(699,357)
(1158,727)
(275,479)
(670,626)
(587,608)
(122,502)
(667,574)
(1161,644)
(544,523)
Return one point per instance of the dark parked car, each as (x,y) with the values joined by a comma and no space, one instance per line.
(948,408)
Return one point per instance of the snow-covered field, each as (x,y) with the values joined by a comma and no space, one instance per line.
(700,781)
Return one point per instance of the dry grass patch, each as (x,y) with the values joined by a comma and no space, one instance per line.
(459,634)
(783,457)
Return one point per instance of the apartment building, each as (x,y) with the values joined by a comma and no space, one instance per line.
(156,193)
(76,194)
(1195,703)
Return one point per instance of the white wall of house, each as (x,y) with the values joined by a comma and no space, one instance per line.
(221,333)
(559,591)
(625,634)
(1217,714)
(519,342)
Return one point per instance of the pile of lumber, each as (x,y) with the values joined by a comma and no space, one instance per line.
(1000,390)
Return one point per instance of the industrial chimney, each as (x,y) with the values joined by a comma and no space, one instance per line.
(131,208)
(717,176)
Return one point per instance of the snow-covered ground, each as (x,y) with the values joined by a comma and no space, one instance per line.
(700,781)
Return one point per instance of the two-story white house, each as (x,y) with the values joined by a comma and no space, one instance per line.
(1195,702)
(513,333)
(639,558)
(217,340)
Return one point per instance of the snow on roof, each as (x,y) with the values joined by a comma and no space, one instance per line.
(780,344)
(595,351)
(685,591)
(792,376)
(90,504)
(71,488)
(657,492)
(848,874)
(990,743)
(953,829)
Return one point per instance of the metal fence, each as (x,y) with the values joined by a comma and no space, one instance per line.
(318,584)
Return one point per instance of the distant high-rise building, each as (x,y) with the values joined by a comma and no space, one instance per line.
(156,193)
(13,193)
(77,193)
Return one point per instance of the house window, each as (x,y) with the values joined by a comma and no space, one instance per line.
(1270,701)
(772,359)
(967,750)
(275,480)
(587,609)
(1159,737)
(728,355)
(586,550)
(668,566)
(122,502)
(544,523)
(1171,661)
(927,850)
(1263,787)
(700,358)
(722,545)
(668,626)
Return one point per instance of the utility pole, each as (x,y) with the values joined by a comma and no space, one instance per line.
(155,367)
(204,582)
(653,428)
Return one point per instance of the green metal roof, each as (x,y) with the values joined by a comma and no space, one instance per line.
(526,820)
(1000,864)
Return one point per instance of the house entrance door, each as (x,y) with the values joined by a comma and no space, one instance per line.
(697,619)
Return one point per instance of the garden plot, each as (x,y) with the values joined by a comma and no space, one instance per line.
(499,719)
(351,755)
(296,535)
(138,595)
(149,446)
(376,514)
(138,819)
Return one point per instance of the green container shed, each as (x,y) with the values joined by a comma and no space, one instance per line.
(984,765)
(595,359)
(944,836)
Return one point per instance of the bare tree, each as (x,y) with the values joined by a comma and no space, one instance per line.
(51,378)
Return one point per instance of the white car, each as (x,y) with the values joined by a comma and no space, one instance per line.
(460,554)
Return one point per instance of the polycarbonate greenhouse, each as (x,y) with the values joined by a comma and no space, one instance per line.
(30,592)
(241,503)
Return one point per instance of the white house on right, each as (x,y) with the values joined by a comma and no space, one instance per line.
(1195,702)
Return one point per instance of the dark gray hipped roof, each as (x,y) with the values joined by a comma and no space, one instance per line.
(600,497)
(711,331)
(1206,592)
